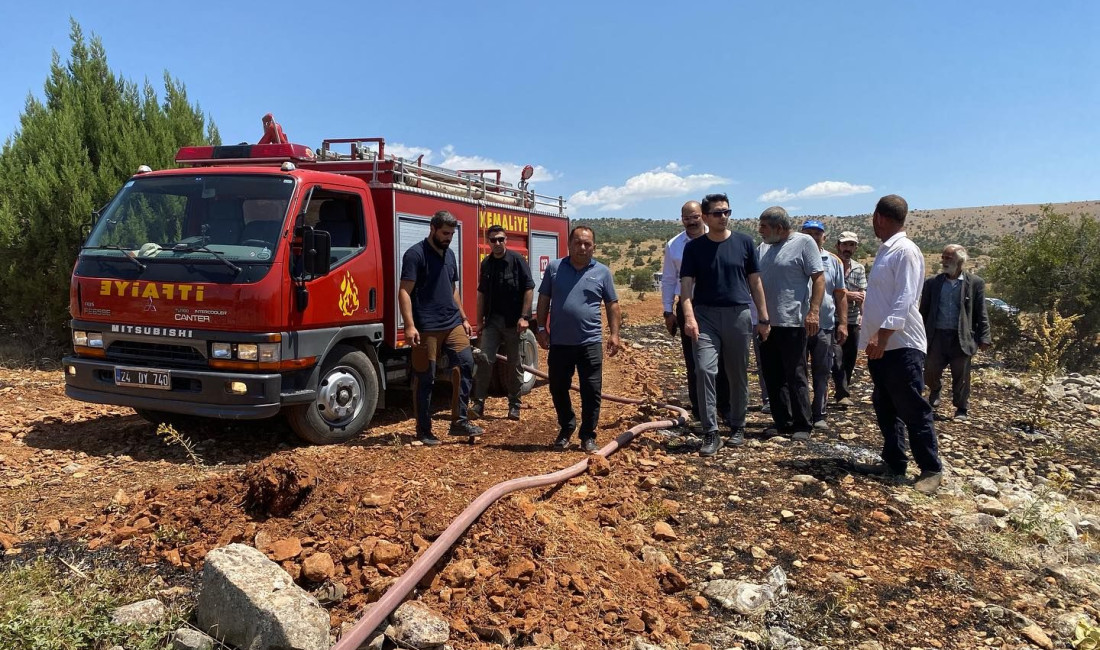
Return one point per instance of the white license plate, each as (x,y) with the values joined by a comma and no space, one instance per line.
(144,377)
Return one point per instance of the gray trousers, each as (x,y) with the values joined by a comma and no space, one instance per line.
(943,351)
(724,334)
(820,347)
(493,336)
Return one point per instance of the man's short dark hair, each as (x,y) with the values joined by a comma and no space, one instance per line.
(495,228)
(711,199)
(892,207)
(444,219)
(576,228)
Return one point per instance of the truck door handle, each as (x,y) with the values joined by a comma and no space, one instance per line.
(372,299)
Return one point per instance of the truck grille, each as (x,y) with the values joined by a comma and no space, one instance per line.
(141,353)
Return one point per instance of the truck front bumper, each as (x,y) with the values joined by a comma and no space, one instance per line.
(193,392)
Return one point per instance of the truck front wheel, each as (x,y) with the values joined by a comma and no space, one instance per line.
(347,395)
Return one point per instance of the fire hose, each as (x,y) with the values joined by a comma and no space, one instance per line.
(395,595)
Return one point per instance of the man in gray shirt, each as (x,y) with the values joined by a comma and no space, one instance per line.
(792,274)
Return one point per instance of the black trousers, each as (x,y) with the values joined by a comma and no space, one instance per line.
(721,384)
(844,363)
(587,361)
(900,406)
(784,361)
(943,351)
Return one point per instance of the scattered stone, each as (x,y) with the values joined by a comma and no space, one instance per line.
(746,598)
(990,506)
(460,574)
(386,553)
(663,532)
(318,567)
(186,638)
(654,556)
(144,613)
(418,626)
(248,601)
(285,549)
(780,639)
(977,521)
(1065,624)
(1035,634)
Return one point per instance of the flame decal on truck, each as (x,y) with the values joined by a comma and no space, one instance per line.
(349,295)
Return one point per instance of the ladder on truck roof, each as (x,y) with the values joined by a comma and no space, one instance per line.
(473,184)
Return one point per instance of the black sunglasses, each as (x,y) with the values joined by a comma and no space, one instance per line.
(720,213)
(497,240)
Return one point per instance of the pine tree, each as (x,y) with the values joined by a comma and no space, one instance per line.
(73,149)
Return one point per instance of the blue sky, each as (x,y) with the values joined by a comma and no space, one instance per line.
(629,109)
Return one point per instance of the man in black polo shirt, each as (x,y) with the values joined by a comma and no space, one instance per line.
(504,291)
(432,310)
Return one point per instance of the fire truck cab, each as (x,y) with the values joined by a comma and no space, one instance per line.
(262,279)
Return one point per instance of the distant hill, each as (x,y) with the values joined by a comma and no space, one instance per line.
(636,244)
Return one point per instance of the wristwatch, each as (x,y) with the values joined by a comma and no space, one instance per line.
(764,321)
(667,314)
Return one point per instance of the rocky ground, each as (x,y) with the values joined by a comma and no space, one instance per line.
(774,544)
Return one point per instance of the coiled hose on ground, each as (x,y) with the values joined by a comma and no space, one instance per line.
(395,595)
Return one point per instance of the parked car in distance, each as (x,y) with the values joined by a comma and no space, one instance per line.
(1000,305)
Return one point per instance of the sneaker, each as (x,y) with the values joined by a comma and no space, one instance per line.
(934,400)
(465,428)
(821,425)
(801,436)
(845,402)
(589,444)
(736,437)
(513,412)
(766,409)
(770,432)
(476,410)
(562,441)
(427,439)
(928,482)
(712,442)
(877,469)
(961,416)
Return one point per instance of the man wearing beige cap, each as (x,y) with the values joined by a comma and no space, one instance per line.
(855,279)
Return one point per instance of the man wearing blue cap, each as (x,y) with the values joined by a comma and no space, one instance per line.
(834,323)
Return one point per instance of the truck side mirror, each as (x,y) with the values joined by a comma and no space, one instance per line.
(317,249)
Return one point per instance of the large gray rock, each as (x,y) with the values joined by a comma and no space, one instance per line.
(250,602)
(975,521)
(746,598)
(143,613)
(418,626)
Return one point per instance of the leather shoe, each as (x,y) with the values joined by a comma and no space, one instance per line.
(712,442)
(513,412)
(465,428)
(736,437)
(427,439)
(589,445)
(928,482)
(562,441)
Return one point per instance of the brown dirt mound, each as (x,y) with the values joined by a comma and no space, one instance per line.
(277,486)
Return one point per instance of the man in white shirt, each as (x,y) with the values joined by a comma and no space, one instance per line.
(691,216)
(893,336)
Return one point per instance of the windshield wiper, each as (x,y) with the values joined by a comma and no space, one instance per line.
(184,248)
(126,252)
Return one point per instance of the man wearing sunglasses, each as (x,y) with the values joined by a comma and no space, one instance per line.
(719,275)
(504,291)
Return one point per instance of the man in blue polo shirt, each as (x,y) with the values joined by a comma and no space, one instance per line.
(570,294)
(434,321)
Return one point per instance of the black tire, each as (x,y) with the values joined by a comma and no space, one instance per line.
(347,396)
(528,356)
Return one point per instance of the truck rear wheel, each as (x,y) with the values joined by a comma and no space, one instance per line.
(528,356)
(347,395)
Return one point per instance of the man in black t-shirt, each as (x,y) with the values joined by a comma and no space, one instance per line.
(718,278)
(504,291)
(434,322)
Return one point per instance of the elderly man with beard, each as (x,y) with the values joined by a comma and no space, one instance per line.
(434,322)
(691,216)
(855,281)
(792,273)
(955,316)
(718,279)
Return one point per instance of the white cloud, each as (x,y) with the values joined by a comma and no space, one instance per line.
(663,182)
(821,190)
(451,159)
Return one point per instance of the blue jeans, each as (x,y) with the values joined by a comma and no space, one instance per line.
(899,403)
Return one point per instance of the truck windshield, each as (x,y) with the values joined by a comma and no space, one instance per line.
(219,217)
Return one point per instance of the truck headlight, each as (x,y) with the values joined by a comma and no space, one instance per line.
(268,352)
(95,339)
(247,351)
(80,338)
(221,351)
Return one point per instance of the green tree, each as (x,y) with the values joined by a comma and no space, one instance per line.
(72,151)
(1059,264)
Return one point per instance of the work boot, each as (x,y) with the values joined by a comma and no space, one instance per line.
(961,416)
(736,437)
(476,409)
(513,412)
(427,439)
(877,469)
(800,436)
(928,482)
(821,425)
(589,445)
(712,442)
(465,428)
(562,441)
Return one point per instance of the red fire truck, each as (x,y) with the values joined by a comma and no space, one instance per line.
(259,279)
